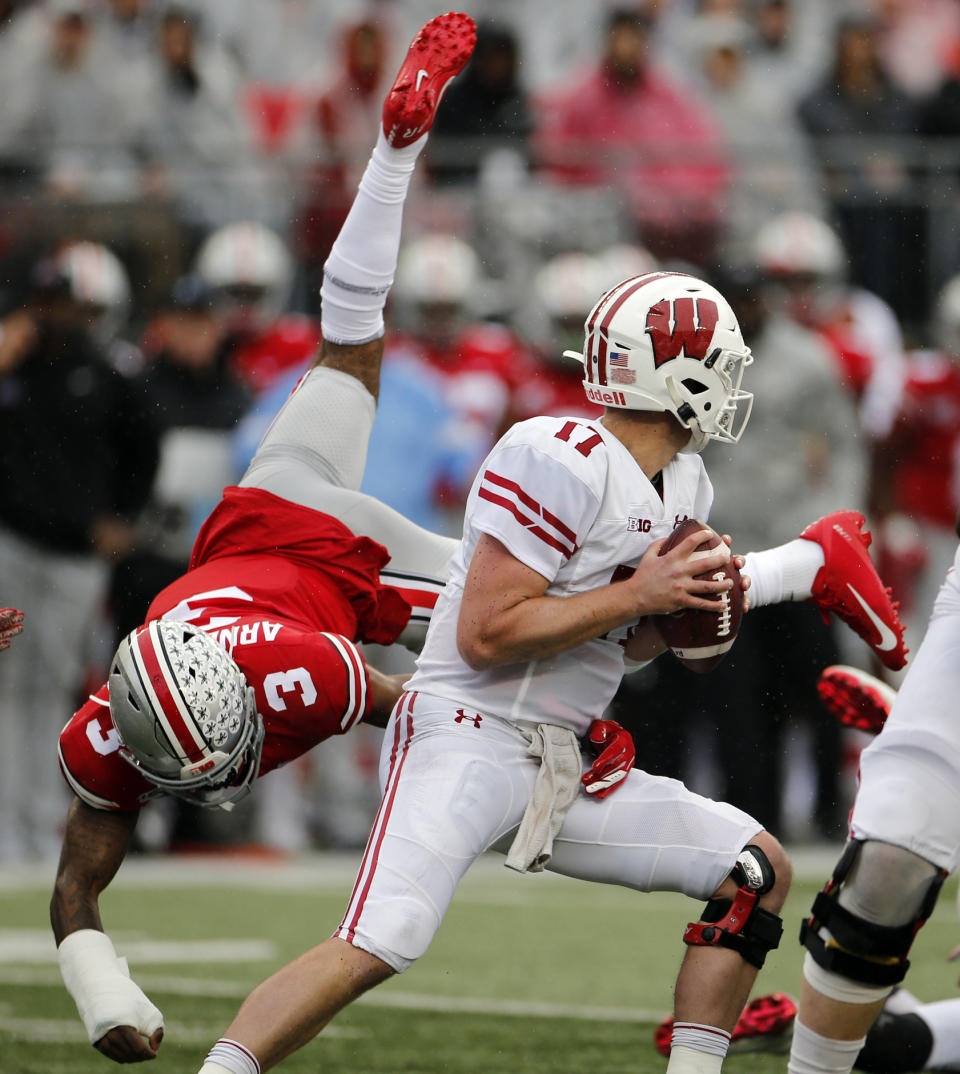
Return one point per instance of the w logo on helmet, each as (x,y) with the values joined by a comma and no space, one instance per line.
(682,325)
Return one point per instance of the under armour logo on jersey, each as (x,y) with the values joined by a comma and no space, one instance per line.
(473,717)
(673,329)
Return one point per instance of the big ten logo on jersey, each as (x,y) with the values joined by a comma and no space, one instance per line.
(683,325)
(638,525)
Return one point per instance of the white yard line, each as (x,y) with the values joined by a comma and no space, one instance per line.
(320,872)
(385,997)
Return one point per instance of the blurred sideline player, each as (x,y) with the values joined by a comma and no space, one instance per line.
(250,271)
(100,290)
(183,718)
(478,364)
(904,841)
(921,461)
(564,291)
(804,264)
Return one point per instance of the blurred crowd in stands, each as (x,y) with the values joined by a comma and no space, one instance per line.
(172,176)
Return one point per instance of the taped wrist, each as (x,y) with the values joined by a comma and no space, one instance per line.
(100,985)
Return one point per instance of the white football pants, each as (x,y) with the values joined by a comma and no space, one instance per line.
(456,783)
(909,792)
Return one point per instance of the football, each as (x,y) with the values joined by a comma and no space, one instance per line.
(700,640)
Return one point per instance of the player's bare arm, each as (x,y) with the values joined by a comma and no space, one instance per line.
(361,361)
(506,617)
(385,691)
(94,846)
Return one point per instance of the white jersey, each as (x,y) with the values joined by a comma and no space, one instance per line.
(566,498)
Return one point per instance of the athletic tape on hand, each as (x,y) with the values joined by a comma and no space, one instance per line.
(100,985)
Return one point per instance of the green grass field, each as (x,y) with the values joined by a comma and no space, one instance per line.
(535,973)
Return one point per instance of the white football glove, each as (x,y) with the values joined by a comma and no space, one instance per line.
(101,987)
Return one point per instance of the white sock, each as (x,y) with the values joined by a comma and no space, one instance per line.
(697,1048)
(812,1054)
(786,572)
(359,272)
(230,1057)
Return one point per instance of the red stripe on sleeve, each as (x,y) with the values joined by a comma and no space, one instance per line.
(529,501)
(527,523)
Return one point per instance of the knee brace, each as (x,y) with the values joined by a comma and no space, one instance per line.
(738,923)
(845,942)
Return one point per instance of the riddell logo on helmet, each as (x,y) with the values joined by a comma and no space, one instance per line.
(202,766)
(672,329)
(595,395)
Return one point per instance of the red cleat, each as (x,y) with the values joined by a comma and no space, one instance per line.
(855,698)
(437,54)
(764,1025)
(848,585)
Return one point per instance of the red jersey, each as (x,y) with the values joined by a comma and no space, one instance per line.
(291,342)
(480,370)
(552,390)
(287,591)
(927,440)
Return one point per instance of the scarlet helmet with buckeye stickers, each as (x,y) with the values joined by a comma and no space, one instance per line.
(185,714)
(667,341)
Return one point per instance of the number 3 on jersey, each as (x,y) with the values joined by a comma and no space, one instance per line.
(278,683)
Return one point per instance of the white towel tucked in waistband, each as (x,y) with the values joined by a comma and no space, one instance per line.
(556,789)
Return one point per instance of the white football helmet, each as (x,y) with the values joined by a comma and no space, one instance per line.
(565,288)
(796,243)
(623,260)
(666,341)
(438,268)
(946,316)
(249,267)
(98,282)
(185,714)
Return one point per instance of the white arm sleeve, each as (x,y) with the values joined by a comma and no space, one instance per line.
(101,987)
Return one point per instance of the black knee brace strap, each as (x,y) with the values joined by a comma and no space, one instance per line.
(738,923)
(858,949)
